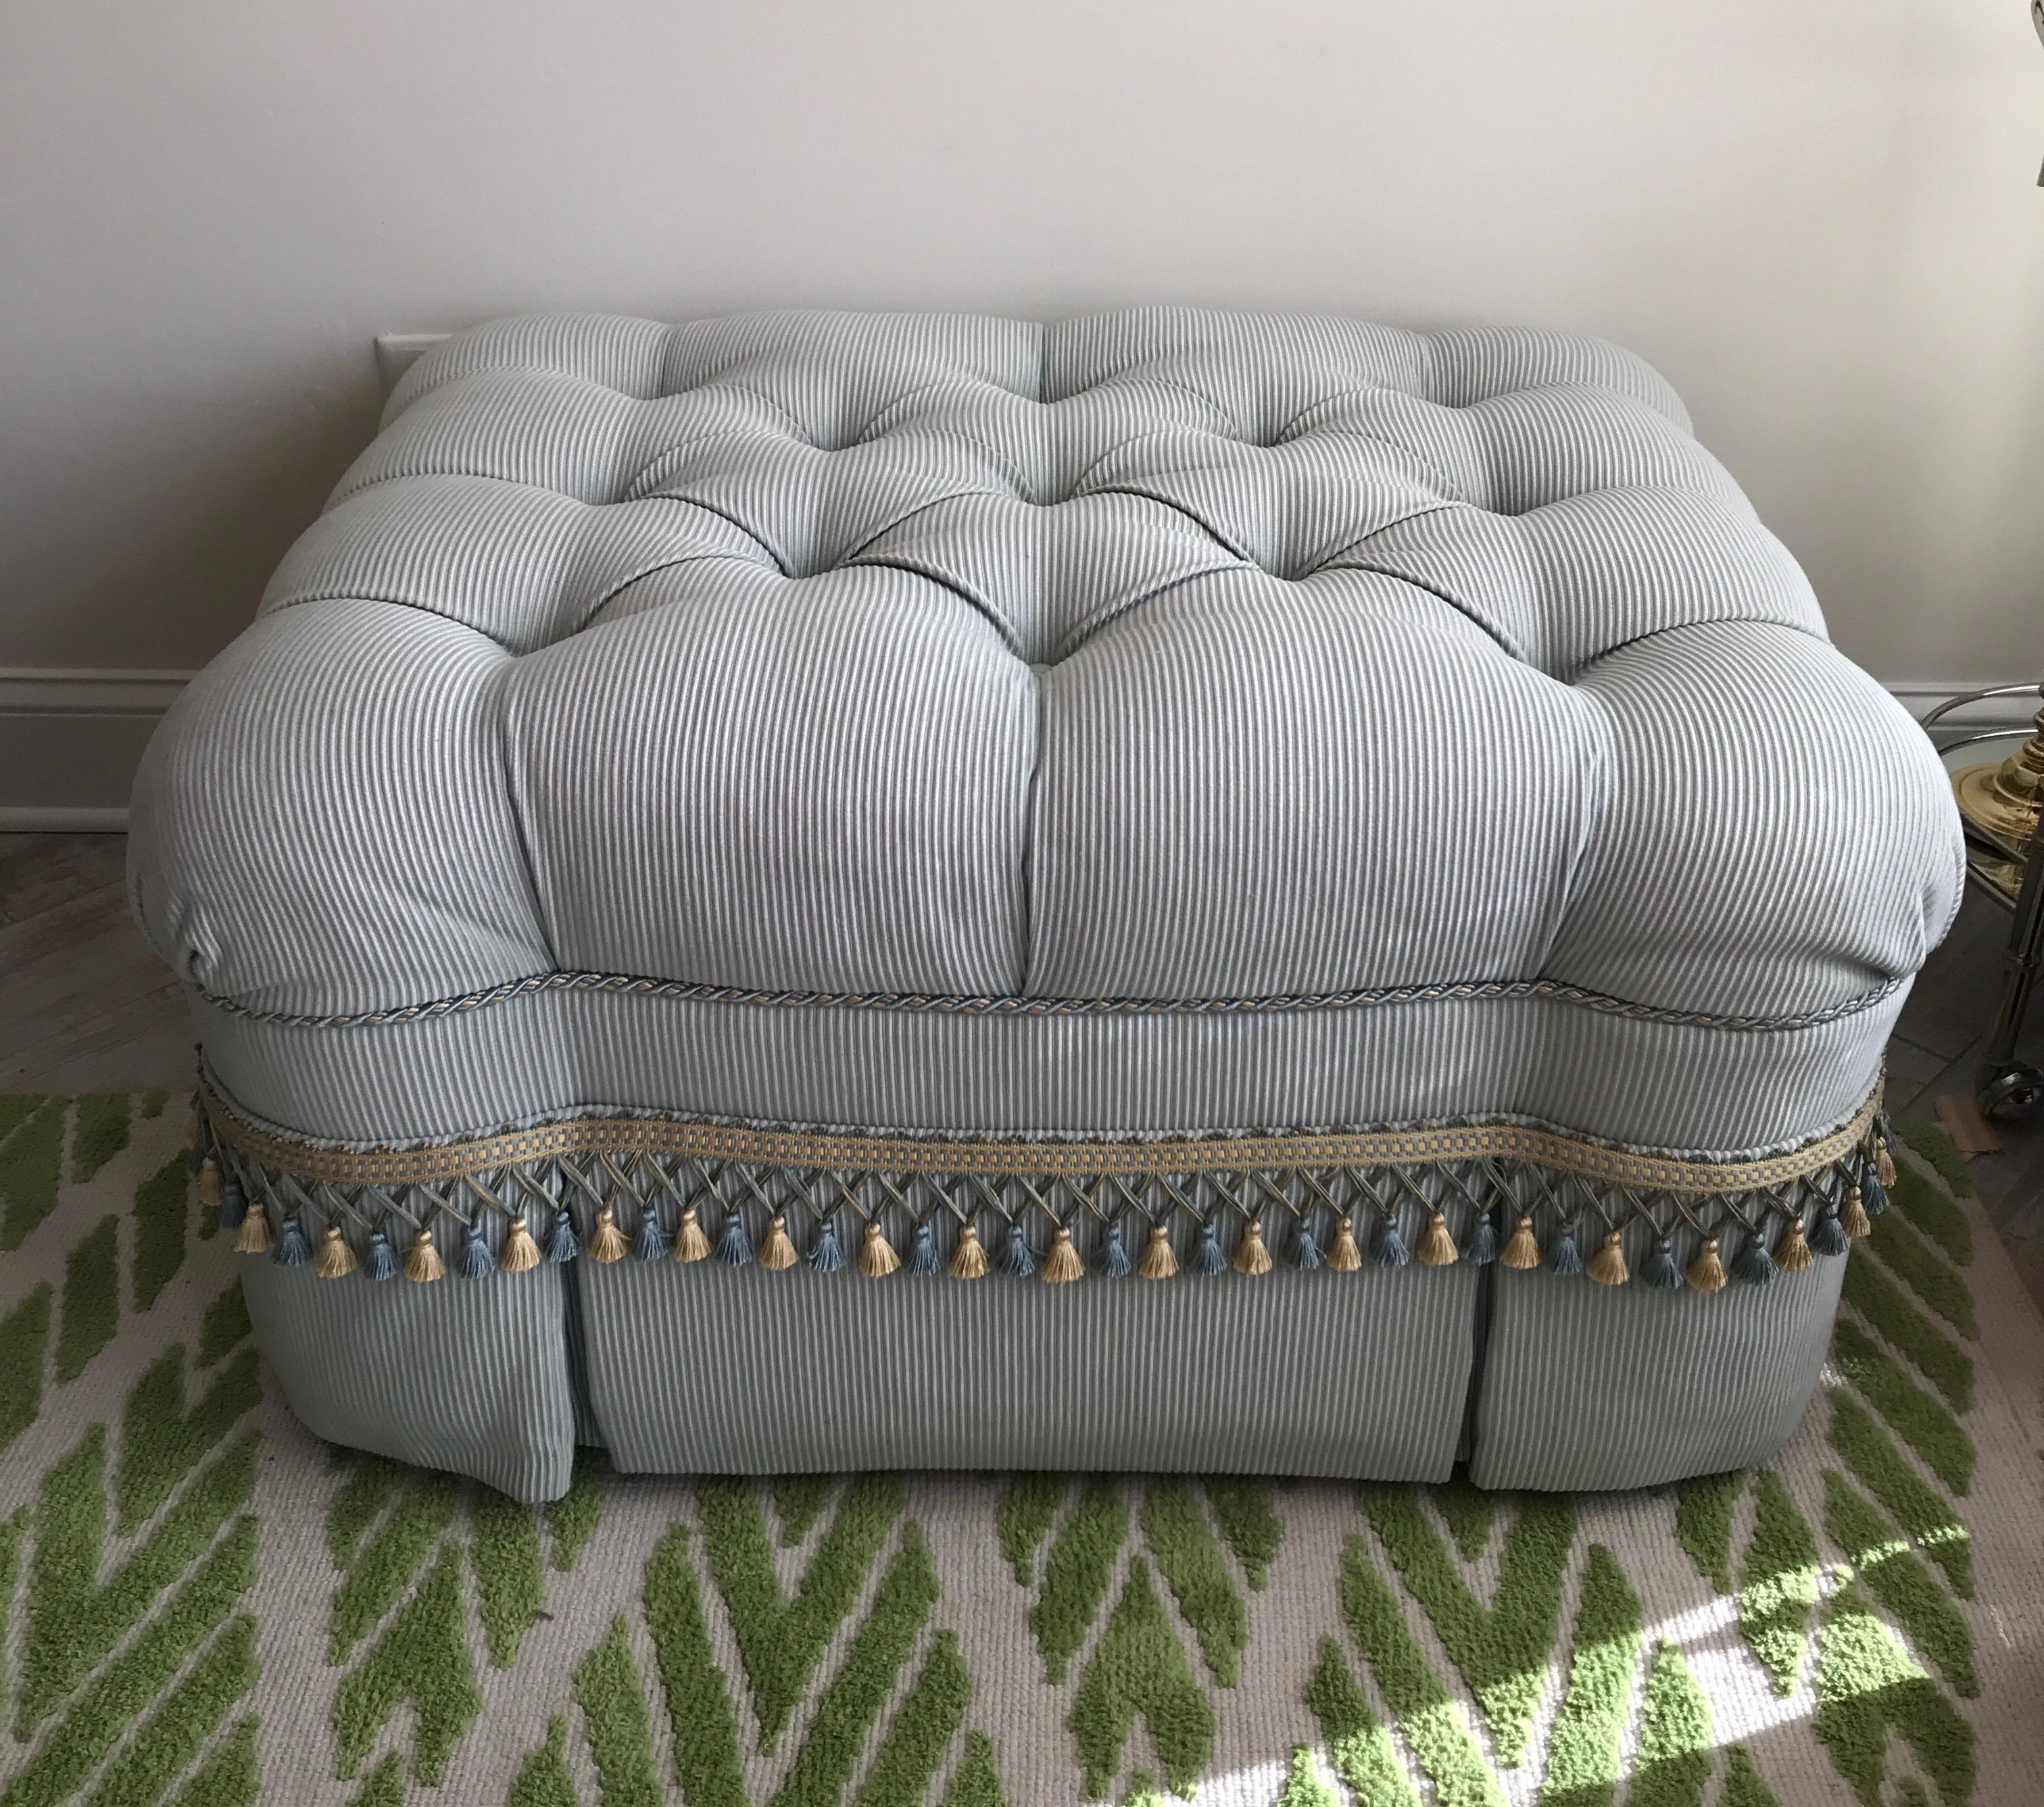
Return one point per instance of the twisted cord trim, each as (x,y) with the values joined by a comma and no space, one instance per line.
(933,1003)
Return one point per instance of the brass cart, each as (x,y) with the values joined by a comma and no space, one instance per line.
(1998,779)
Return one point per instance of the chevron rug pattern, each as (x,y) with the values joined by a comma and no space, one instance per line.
(201,1605)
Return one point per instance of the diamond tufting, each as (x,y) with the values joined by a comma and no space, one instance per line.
(1161,656)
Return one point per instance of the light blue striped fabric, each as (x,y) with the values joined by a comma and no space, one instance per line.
(1156,656)
(1151,723)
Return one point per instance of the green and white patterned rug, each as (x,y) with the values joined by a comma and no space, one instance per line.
(200,1604)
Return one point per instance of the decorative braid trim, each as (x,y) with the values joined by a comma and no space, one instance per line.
(655,1189)
(1455,991)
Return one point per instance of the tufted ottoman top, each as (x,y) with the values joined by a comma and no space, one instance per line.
(1158,721)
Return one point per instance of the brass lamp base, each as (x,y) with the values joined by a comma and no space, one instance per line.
(2004,800)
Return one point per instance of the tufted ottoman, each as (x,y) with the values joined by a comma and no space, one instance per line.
(1171,891)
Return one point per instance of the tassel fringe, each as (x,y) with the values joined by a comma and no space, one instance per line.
(1345,1257)
(1829,1236)
(1853,1219)
(969,1260)
(423,1263)
(1114,1261)
(1658,1270)
(1707,1272)
(776,1253)
(1391,1249)
(1250,1255)
(1159,1262)
(335,1260)
(1062,1265)
(1792,1253)
(606,1241)
(690,1244)
(522,1253)
(1305,1252)
(1841,1206)
(1753,1263)
(1608,1265)
(876,1258)
(826,1252)
(475,1262)
(563,1244)
(254,1237)
(734,1247)
(1522,1251)
(1483,1242)
(649,1244)
(1437,1248)
(1017,1257)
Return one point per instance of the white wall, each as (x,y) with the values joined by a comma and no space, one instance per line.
(1817,216)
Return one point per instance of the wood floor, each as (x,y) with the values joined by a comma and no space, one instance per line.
(86,1006)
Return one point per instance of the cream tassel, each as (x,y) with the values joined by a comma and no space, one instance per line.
(876,1258)
(1250,1255)
(1853,1218)
(255,1237)
(1608,1265)
(424,1264)
(1437,1248)
(691,1244)
(1707,1272)
(210,1185)
(1883,1162)
(1159,1262)
(777,1251)
(1062,1264)
(606,1241)
(191,1130)
(520,1251)
(969,1259)
(336,1259)
(1523,1250)
(1345,1257)
(1792,1254)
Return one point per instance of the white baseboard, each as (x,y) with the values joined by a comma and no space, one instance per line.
(61,819)
(70,739)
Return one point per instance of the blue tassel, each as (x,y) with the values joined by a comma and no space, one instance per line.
(1872,1195)
(1207,1256)
(923,1251)
(1658,1270)
(826,1254)
(233,1205)
(734,1247)
(1482,1248)
(1829,1237)
(293,1250)
(1305,1251)
(477,1262)
(1391,1251)
(380,1262)
(1564,1256)
(649,1244)
(1016,1256)
(1114,1261)
(563,1244)
(195,1156)
(1753,1263)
